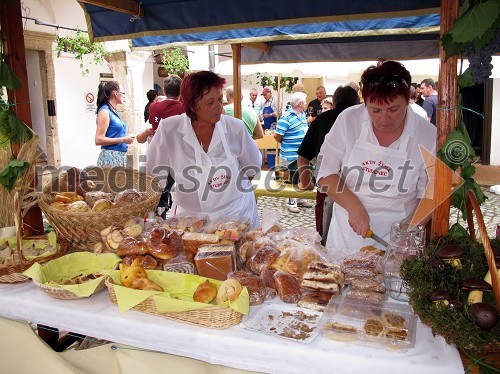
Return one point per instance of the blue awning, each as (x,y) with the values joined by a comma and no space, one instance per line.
(188,17)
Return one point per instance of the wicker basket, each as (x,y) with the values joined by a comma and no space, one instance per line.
(82,229)
(63,294)
(213,317)
(473,207)
(13,272)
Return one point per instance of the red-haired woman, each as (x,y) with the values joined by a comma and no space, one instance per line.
(371,165)
(210,155)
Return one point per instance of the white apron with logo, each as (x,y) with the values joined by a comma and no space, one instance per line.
(218,192)
(384,198)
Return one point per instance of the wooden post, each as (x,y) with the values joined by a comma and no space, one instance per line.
(15,56)
(446,118)
(236,48)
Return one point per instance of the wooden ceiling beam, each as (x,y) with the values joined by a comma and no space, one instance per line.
(124,6)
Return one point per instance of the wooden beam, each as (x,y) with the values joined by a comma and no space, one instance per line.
(15,56)
(446,119)
(264,47)
(236,48)
(123,6)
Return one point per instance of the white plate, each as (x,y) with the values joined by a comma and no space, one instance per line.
(286,321)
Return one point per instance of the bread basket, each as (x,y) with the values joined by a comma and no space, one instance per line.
(82,229)
(213,317)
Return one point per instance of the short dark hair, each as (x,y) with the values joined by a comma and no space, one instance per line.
(172,85)
(345,96)
(195,86)
(382,92)
(151,94)
(429,82)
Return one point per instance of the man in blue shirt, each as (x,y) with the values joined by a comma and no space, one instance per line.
(290,131)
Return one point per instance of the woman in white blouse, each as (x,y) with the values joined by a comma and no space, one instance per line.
(210,155)
(371,163)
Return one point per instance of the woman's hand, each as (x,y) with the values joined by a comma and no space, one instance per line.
(358,219)
(129,139)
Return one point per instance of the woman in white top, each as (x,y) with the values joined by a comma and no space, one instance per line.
(371,163)
(210,155)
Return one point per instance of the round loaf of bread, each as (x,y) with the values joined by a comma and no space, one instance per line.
(163,244)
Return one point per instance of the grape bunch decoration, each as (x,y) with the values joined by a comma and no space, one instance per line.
(480,60)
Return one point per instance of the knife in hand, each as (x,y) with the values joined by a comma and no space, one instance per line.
(378,239)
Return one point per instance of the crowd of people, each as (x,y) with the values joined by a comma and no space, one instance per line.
(359,141)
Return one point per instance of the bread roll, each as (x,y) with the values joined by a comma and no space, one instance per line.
(128,197)
(132,246)
(205,292)
(229,290)
(147,262)
(93,196)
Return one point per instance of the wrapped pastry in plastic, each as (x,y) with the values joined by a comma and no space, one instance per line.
(295,258)
(288,287)
(216,261)
(253,283)
(263,259)
(268,279)
(182,263)
(191,241)
(230,228)
(187,222)
(147,262)
(367,296)
(163,244)
(372,284)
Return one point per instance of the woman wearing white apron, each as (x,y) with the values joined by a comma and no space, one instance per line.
(370,161)
(209,155)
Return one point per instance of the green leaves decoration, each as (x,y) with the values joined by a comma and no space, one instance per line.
(80,45)
(11,172)
(7,76)
(12,129)
(174,61)
(474,23)
(457,153)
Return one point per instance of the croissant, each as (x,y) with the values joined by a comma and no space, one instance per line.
(205,292)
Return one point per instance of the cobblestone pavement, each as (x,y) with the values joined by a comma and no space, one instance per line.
(305,218)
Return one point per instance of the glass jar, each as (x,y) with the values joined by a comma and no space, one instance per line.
(404,244)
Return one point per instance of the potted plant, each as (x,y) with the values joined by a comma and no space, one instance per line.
(80,45)
(173,61)
(286,82)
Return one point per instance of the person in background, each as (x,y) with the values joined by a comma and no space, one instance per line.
(326,105)
(416,108)
(344,97)
(314,107)
(171,106)
(111,132)
(211,156)
(297,87)
(168,106)
(291,129)
(419,100)
(151,95)
(248,116)
(255,103)
(269,111)
(371,165)
(431,99)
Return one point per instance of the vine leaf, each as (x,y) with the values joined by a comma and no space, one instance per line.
(465,79)
(7,76)
(456,149)
(11,172)
(475,22)
(458,196)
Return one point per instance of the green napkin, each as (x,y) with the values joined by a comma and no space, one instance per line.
(71,265)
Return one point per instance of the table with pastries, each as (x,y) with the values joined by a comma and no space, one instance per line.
(235,347)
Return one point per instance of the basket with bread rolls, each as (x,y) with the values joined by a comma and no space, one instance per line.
(80,203)
(181,297)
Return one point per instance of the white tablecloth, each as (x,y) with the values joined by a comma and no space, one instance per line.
(234,347)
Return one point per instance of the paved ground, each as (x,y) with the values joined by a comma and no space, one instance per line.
(490,209)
